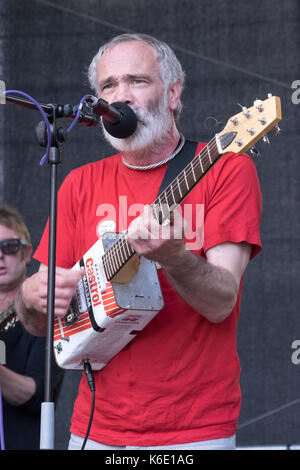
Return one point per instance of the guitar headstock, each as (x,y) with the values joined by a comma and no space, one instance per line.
(244,129)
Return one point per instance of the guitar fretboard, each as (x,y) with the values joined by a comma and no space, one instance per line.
(121,251)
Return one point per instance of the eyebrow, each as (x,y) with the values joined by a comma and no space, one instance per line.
(128,76)
(106,80)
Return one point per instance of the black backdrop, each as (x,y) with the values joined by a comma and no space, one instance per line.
(232,52)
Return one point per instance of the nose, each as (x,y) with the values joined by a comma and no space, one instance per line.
(124,94)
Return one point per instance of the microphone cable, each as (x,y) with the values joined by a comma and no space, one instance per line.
(91,382)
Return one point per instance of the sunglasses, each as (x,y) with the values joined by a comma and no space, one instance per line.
(11,246)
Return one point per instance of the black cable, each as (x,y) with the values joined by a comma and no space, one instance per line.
(90,379)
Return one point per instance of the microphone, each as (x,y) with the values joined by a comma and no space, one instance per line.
(119,119)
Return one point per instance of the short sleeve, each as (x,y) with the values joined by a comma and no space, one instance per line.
(234,204)
(66,225)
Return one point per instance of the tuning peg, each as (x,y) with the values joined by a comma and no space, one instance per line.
(277,129)
(254,152)
(266,139)
(259,105)
(245,110)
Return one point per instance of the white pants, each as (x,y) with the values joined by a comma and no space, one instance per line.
(227,443)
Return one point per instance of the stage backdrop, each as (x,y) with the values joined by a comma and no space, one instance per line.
(233,53)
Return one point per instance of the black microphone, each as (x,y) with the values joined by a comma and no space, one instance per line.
(119,119)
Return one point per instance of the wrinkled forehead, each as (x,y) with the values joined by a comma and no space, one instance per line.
(128,57)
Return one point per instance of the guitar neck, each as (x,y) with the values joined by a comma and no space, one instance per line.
(180,187)
(121,252)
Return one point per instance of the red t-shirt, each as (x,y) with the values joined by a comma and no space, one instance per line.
(178,380)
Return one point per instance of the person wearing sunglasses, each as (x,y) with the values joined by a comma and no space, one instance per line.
(11,246)
(22,375)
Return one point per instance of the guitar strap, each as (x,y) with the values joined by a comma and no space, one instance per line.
(178,163)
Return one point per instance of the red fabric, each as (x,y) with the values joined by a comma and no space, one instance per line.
(178,380)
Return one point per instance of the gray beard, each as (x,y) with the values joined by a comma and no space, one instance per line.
(154,124)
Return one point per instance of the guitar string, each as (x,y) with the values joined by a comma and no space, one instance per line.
(181,177)
(202,159)
(113,255)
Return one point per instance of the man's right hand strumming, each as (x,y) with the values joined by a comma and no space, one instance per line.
(31,303)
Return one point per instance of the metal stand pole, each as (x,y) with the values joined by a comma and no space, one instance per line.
(47,408)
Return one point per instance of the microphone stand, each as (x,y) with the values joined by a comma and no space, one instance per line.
(47,407)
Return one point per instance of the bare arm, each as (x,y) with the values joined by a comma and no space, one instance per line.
(209,286)
(16,388)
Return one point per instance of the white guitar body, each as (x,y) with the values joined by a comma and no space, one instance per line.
(105,316)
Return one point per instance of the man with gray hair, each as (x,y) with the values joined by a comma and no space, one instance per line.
(176,385)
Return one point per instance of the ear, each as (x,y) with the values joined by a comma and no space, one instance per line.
(174,93)
(27,253)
